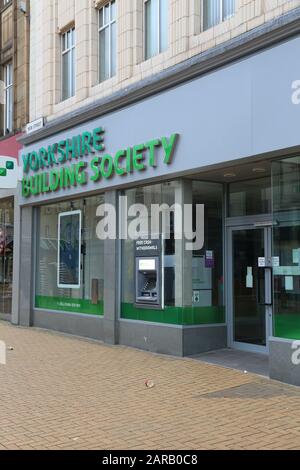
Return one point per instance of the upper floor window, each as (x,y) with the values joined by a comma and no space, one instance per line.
(8,95)
(156,27)
(68,64)
(107,41)
(216,11)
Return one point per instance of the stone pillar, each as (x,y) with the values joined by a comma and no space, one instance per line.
(179,17)
(83,25)
(183,264)
(111,281)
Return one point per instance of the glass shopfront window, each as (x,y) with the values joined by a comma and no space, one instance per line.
(286,247)
(6,254)
(207,305)
(250,197)
(192,281)
(69,271)
(147,197)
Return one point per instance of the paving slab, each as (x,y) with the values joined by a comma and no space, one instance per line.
(63,392)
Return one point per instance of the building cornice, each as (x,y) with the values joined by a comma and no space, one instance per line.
(262,37)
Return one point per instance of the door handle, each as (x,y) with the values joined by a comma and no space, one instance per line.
(263,301)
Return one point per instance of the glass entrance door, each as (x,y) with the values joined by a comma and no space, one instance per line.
(251,287)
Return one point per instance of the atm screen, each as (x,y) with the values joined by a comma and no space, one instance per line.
(148,281)
(147,265)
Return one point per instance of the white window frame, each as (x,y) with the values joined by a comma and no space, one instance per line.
(221,18)
(8,96)
(158,30)
(108,25)
(65,51)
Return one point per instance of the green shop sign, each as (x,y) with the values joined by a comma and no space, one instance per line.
(60,166)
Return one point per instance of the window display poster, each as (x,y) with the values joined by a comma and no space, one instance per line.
(289,283)
(69,250)
(249,278)
(209,259)
(296,257)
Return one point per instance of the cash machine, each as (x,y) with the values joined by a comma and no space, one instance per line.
(148,273)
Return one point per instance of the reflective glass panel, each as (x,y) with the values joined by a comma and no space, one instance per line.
(250,197)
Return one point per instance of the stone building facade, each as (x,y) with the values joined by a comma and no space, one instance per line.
(14,53)
(176,103)
(186,39)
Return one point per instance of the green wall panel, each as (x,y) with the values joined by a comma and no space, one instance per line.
(66,304)
(170,315)
(287,326)
(175,315)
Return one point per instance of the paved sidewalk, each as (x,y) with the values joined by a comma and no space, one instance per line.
(59,392)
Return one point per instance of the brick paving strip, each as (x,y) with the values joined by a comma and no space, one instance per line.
(61,392)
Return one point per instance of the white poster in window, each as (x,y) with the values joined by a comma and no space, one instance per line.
(289,283)
(296,257)
(249,278)
(69,250)
(261,262)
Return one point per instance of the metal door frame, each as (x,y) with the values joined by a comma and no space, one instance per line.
(248,223)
